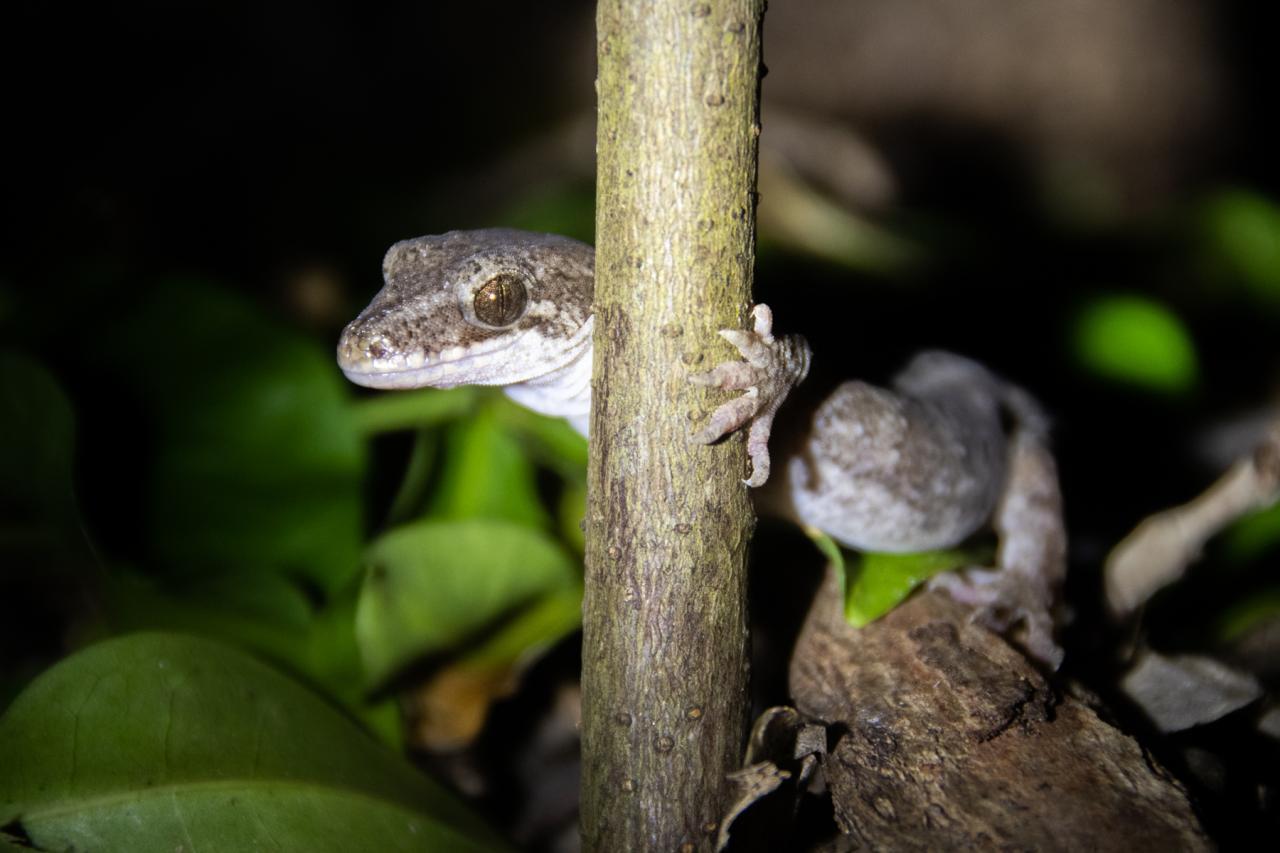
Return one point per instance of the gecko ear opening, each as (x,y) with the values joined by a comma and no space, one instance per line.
(501,300)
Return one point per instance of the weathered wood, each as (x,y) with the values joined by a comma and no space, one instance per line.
(943,737)
(665,622)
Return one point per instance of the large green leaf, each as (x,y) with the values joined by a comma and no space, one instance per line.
(267,614)
(258,460)
(435,585)
(157,742)
(485,473)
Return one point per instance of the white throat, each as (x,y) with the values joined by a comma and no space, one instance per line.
(564,392)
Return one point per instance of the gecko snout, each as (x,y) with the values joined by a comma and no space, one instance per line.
(361,346)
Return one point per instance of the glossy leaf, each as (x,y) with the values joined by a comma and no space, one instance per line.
(872,583)
(880,582)
(263,612)
(157,742)
(433,586)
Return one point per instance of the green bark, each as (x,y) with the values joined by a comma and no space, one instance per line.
(665,619)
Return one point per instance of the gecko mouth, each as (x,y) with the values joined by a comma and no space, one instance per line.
(371,362)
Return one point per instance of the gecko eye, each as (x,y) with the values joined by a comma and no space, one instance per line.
(501,300)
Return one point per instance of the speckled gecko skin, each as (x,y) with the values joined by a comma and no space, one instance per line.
(922,466)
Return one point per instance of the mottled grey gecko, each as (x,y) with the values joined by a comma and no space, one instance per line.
(922,466)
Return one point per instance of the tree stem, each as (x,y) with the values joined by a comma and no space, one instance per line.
(665,620)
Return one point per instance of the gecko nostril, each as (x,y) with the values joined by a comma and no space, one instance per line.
(349,348)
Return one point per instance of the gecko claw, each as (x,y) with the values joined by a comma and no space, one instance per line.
(769,369)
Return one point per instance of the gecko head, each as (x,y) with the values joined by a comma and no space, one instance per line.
(490,307)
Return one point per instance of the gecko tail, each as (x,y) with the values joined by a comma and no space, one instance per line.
(1027,414)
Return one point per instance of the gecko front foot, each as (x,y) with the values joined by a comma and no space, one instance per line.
(769,369)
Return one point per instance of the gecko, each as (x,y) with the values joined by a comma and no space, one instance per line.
(948,449)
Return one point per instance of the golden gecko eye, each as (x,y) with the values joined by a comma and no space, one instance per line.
(501,300)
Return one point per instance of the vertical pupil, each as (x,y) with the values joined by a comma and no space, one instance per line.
(500,301)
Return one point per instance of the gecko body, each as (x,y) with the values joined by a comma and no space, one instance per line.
(920,466)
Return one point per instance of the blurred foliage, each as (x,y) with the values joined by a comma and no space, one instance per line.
(568,210)
(1252,536)
(253,502)
(257,464)
(1239,234)
(485,474)
(1137,341)
(39,522)
(1249,612)
(251,457)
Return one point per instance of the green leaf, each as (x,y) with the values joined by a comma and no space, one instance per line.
(260,610)
(37,434)
(258,462)
(39,520)
(435,585)
(883,581)
(834,554)
(454,701)
(485,473)
(263,612)
(571,513)
(567,209)
(1241,232)
(415,485)
(549,441)
(874,583)
(1253,535)
(1254,610)
(158,742)
(531,632)
(387,412)
(1136,341)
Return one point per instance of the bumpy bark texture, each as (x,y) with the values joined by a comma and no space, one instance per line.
(943,737)
(665,624)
